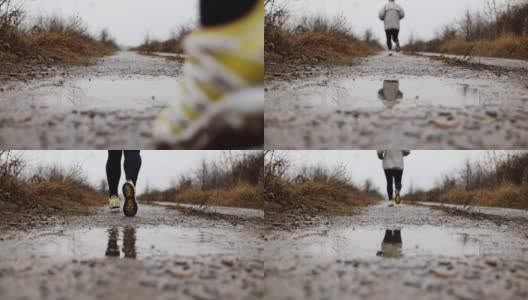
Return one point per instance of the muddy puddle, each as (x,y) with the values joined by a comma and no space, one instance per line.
(377,94)
(93,94)
(145,242)
(365,243)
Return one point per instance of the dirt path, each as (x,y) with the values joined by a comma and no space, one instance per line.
(427,254)
(160,254)
(401,101)
(108,105)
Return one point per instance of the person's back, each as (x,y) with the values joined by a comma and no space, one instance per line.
(393,168)
(393,159)
(391,14)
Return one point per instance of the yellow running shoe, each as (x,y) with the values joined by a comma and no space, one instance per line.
(221,96)
(398,197)
(129,191)
(114,202)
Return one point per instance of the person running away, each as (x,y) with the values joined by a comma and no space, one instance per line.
(393,167)
(132,165)
(391,14)
(220,103)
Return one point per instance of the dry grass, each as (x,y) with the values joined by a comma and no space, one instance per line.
(312,38)
(500,181)
(312,189)
(53,37)
(507,46)
(495,32)
(51,188)
(505,195)
(174,44)
(234,181)
(242,195)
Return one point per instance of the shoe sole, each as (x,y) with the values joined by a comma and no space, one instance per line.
(130,207)
(238,122)
(398,199)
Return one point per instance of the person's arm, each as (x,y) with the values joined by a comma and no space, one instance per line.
(406,152)
(382,13)
(402,13)
(381,154)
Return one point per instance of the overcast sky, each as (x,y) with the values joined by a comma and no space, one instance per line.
(424,17)
(158,170)
(422,168)
(128,20)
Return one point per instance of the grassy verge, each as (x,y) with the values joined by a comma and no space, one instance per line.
(312,189)
(49,39)
(312,39)
(496,32)
(46,190)
(174,44)
(501,181)
(237,181)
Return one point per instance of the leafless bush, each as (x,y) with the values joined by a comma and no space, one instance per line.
(174,44)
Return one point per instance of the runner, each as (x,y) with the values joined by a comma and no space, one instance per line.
(391,247)
(221,98)
(390,94)
(393,167)
(391,14)
(132,166)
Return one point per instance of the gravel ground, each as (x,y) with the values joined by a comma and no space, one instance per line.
(160,254)
(110,104)
(401,101)
(439,256)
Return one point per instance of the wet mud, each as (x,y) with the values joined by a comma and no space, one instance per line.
(160,254)
(401,101)
(405,252)
(110,104)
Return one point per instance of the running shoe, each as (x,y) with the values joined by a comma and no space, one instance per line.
(113,202)
(398,198)
(129,191)
(398,48)
(220,103)
(391,203)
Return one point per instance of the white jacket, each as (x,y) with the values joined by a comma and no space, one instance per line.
(391,13)
(393,159)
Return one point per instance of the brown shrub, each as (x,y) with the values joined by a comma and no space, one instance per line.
(49,37)
(48,187)
(174,44)
(315,37)
(315,187)
(501,180)
(235,181)
(498,32)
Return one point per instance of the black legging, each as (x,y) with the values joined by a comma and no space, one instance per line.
(392,237)
(215,12)
(392,35)
(113,168)
(394,177)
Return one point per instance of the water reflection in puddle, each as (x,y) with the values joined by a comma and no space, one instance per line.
(130,242)
(369,93)
(99,94)
(395,243)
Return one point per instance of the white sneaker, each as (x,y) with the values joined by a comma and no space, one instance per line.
(113,202)
(391,203)
(220,103)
